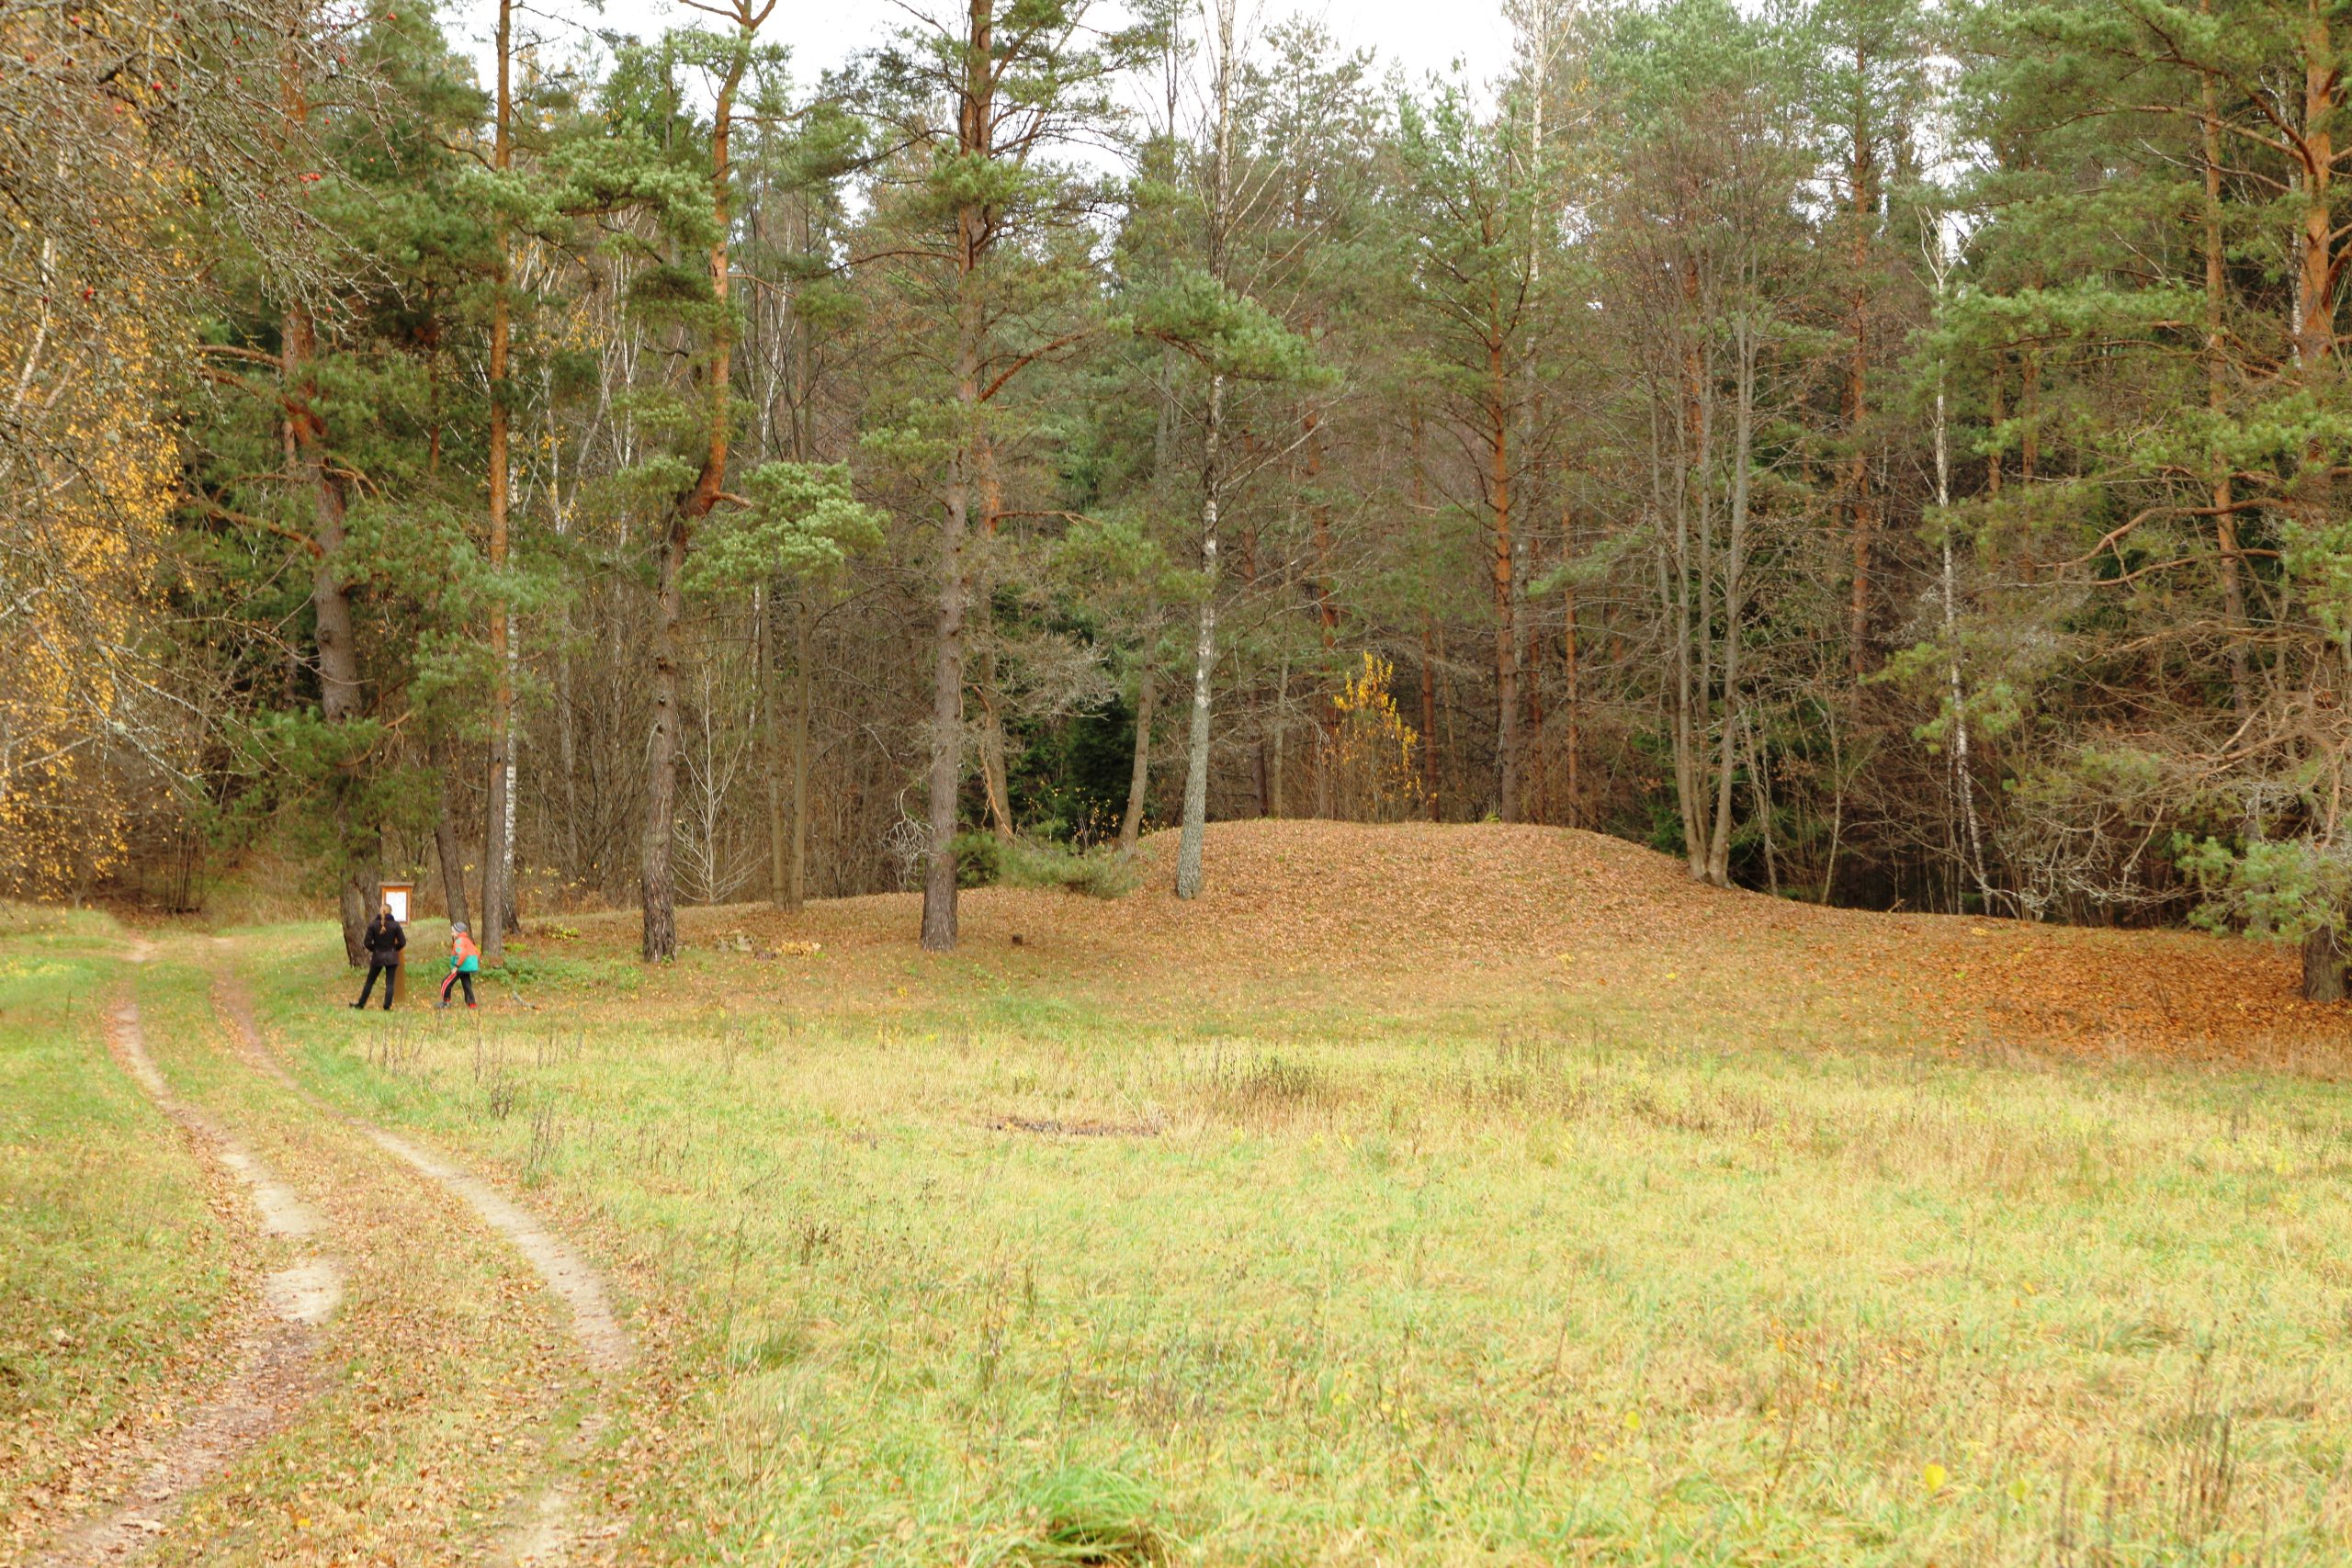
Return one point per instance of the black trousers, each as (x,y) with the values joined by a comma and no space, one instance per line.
(456,977)
(390,972)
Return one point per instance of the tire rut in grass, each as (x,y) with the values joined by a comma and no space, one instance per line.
(545,1528)
(273,1356)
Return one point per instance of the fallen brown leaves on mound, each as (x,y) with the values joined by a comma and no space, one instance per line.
(1457,917)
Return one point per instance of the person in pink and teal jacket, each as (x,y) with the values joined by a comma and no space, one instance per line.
(465,963)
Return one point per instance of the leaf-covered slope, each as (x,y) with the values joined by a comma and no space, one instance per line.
(1554,925)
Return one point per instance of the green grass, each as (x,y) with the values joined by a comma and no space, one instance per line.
(427,1419)
(1621,1289)
(438,1386)
(111,1262)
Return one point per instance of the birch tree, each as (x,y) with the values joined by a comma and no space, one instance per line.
(1223,64)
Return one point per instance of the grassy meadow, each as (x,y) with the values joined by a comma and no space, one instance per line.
(999,1274)
(1621,1222)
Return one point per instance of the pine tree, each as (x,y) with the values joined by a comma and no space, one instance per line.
(988,248)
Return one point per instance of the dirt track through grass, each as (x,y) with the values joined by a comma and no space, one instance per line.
(449,1398)
(545,1529)
(274,1358)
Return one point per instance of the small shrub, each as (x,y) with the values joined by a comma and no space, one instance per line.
(983,859)
(1087,1514)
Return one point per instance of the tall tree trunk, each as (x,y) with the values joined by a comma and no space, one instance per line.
(356,842)
(1861,181)
(1429,635)
(1449,708)
(1547,38)
(2225,528)
(1196,749)
(1327,621)
(2324,952)
(2028,412)
(444,836)
(1139,772)
(1534,788)
(567,736)
(993,768)
(1428,719)
(568,751)
(975,134)
(1864,540)
(1963,775)
(1734,608)
(498,826)
(1276,743)
(995,785)
(946,773)
(1194,828)
(1686,487)
(795,880)
(1759,789)
(772,743)
(1675,563)
(1571,688)
(1265,759)
(1506,630)
(1999,414)
(305,437)
(657,883)
(2315,241)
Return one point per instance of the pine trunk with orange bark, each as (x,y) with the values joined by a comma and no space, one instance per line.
(657,884)
(1861,513)
(1497,412)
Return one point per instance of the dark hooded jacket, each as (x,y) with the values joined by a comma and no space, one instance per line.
(385,940)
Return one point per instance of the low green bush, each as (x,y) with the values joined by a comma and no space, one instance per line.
(983,859)
(560,969)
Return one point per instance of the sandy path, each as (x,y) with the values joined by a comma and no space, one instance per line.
(547,1524)
(273,1357)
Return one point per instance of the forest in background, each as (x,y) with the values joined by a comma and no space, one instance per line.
(1883,452)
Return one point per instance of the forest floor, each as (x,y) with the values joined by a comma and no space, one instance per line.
(1419,1195)
(1321,928)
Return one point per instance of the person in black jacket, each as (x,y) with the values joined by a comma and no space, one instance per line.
(385,940)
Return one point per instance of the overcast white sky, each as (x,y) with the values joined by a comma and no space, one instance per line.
(1420,36)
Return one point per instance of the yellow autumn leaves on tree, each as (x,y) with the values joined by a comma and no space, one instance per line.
(1375,754)
(87,483)
(137,138)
